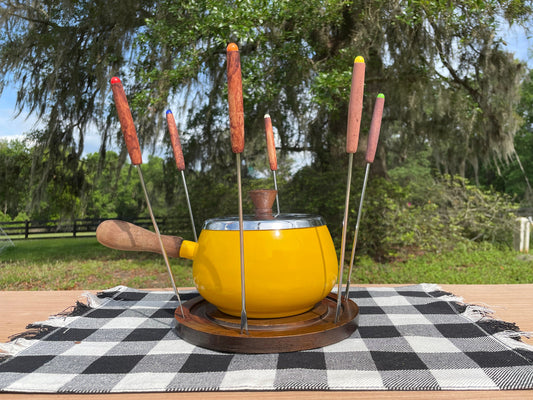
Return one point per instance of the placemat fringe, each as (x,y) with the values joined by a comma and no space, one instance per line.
(93,301)
(112,291)
(436,291)
(508,333)
(476,313)
(482,314)
(513,339)
(484,318)
(13,347)
(39,329)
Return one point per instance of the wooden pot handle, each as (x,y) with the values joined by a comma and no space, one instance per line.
(121,235)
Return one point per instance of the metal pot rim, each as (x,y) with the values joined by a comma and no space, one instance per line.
(250,223)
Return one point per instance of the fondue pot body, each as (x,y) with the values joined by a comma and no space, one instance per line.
(290,265)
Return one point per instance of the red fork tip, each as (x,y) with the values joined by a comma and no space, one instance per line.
(115,79)
(232,47)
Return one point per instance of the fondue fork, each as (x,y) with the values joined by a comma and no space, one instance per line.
(236,121)
(355,110)
(180,162)
(271,148)
(134,150)
(373,137)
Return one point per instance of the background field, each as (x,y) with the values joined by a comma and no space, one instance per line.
(59,264)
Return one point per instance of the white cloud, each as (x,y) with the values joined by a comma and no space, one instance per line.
(15,127)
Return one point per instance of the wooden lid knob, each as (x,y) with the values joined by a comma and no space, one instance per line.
(263,200)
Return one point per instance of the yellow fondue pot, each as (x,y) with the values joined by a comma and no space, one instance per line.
(289,260)
(290,264)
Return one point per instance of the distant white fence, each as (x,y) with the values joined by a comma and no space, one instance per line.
(521,240)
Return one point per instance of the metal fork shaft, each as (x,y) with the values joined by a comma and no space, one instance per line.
(276,188)
(163,251)
(343,243)
(359,212)
(189,206)
(244,318)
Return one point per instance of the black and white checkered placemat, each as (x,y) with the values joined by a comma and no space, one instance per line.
(409,338)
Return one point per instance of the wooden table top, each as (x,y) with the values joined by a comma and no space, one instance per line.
(511,303)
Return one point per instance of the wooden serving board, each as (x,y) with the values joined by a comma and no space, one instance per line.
(202,324)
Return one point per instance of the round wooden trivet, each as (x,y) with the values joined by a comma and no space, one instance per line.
(205,326)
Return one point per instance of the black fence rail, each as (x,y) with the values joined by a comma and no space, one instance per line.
(57,228)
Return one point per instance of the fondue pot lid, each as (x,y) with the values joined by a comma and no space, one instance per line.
(251,223)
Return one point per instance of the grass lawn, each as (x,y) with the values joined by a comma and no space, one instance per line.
(82,263)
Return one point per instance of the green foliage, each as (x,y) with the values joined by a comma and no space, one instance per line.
(14,176)
(482,215)
(448,79)
(414,177)
(22,216)
(455,213)
(322,194)
(451,94)
(419,213)
(515,176)
(414,229)
(411,213)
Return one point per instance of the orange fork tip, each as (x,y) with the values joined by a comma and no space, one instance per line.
(232,47)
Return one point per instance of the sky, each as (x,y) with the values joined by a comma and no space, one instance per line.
(14,128)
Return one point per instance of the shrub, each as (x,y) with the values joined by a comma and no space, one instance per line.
(22,216)
(455,212)
(4,217)
(410,213)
